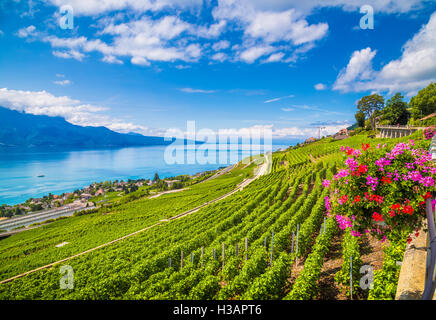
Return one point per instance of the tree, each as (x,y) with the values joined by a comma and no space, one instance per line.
(369,105)
(156,177)
(396,110)
(424,103)
(360,118)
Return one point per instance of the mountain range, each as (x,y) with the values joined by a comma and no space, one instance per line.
(25,130)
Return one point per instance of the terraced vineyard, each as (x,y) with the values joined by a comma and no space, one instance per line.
(269,240)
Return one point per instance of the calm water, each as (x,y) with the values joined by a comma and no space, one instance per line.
(70,170)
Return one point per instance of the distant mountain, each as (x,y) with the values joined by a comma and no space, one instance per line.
(32,131)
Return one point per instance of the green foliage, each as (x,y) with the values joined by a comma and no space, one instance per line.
(386,279)
(369,105)
(424,103)
(350,251)
(305,287)
(395,110)
(360,118)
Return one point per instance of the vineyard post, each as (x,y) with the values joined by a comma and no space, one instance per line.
(192,257)
(237,248)
(246,248)
(351,277)
(214,253)
(296,249)
(202,254)
(272,245)
(169,262)
(181,259)
(320,230)
(292,247)
(264,242)
(224,252)
(324,225)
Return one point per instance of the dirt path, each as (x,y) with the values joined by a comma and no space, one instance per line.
(260,172)
(329,290)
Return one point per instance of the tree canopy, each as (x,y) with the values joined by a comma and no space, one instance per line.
(424,103)
(395,110)
(360,119)
(369,105)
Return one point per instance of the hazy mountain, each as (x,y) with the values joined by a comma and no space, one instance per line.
(30,131)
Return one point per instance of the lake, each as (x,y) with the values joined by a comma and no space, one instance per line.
(66,171)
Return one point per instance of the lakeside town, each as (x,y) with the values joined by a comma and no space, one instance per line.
(101,194)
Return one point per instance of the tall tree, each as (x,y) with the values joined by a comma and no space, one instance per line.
(360,119)
(424,103)
(396,110)
(156,177)
(369,105)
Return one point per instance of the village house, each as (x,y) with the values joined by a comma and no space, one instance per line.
(99,192)
(170,183)
(86,196)
(309,140)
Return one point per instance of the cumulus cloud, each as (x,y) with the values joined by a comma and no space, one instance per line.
(320,86)
(26,32)
(359,68)
(415,69)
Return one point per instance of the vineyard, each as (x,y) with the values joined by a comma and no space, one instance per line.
(270,240)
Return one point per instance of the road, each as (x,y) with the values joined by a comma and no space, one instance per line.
(29,219)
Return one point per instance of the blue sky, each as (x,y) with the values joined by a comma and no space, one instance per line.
(151,65)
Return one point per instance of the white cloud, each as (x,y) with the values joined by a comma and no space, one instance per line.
(26,32)
(415,69)
(219,56)
(359,68)
(111,59)
(288,109)
(191,90)
(278,99)
(220,45)
(72,54)
(320,86)
(1,33)
(275,57)
(252,54)
(284,26)
(96,7)
(62,82)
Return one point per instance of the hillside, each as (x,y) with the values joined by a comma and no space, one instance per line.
(148,264)
(29,131)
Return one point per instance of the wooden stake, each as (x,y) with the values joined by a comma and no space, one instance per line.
(237,248)
(351,277)
(272,246)
(296,249)
(292,247)
(224,252)
(181,259)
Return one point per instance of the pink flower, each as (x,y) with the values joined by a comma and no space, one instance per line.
(326,183)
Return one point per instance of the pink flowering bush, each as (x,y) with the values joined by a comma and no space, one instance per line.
(381,190)
(429,133)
